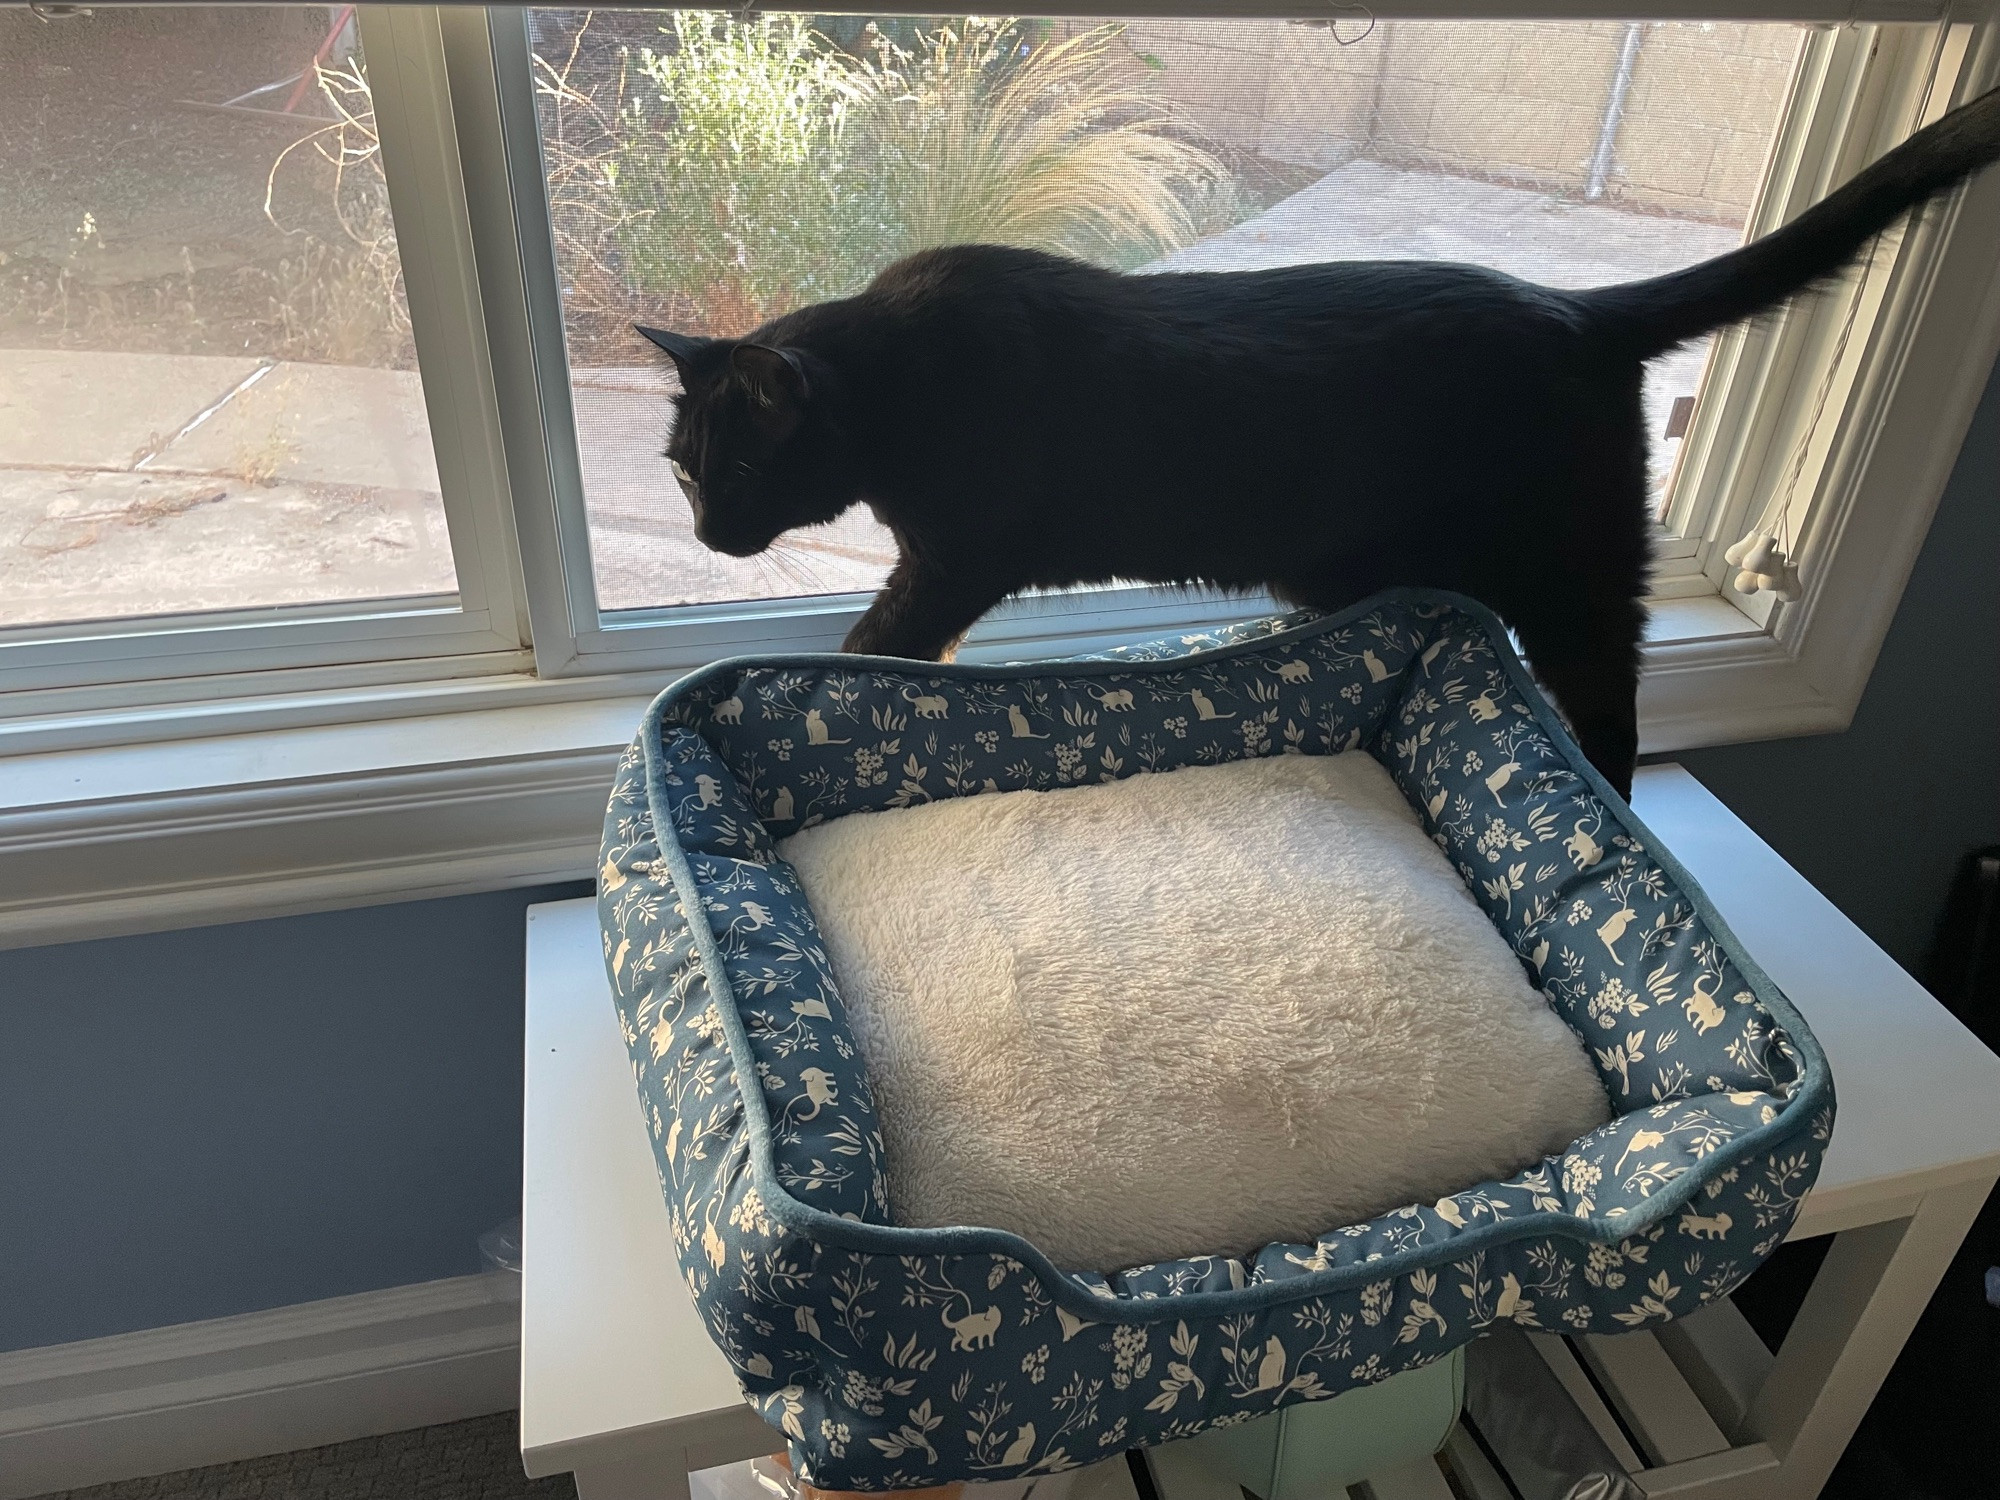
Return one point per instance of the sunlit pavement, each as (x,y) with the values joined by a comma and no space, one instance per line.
(143,484)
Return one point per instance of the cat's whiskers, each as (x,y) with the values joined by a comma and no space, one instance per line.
(790,566)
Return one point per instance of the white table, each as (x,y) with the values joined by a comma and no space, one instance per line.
(621,1387)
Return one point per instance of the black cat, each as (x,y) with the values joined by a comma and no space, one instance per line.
(1020,420)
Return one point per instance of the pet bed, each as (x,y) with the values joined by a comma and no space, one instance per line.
(895,1357)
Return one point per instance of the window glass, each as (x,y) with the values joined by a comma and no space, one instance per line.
(208,391)
(707,170)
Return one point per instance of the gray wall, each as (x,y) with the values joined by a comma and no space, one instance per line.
(1877,816)
(230,1118)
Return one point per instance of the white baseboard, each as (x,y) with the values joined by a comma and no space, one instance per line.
(174,1398)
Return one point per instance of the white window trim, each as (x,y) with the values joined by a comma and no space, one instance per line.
(494,103)
(307,786)
(482,628)
(1881,468)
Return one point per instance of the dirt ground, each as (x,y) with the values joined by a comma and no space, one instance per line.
(130,220)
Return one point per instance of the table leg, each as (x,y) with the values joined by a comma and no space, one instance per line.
(1869,1293)
(644,1479)
(1867,1297)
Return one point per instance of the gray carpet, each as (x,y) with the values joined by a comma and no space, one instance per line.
(475,1460)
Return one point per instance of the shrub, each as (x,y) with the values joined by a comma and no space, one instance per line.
(738,160)
(1055,147)
(343,301)
(581,101)
(769,166)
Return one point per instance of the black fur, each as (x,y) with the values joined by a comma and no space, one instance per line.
(1021,420)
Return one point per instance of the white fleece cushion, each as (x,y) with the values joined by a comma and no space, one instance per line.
(1184,1014)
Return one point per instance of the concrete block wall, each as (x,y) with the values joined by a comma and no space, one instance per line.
(1699,117)
(1287,92)
(1519,103)
(1516,102)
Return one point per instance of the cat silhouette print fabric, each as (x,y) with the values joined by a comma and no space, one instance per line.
(892,1357)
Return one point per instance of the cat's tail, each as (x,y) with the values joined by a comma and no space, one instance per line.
(1650,317)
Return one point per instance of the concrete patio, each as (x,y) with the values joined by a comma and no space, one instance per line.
(136,484)
(143,484)
(1369,211)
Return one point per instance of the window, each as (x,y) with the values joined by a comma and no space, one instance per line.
(210,374)
(256,427)
(706,170)
(216,443)
(1761,440)
(326,448)
(1572,152)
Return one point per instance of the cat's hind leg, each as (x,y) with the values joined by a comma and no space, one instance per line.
(1573,582)
(1588,659)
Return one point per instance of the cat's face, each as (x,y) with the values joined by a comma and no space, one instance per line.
(749,448)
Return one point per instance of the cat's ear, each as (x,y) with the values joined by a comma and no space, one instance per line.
(682,348)
(776,382)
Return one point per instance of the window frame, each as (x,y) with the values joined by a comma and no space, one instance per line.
(1855,92)
(1879,457)
(298,771)
(493,96)
(462,155)
(481,627)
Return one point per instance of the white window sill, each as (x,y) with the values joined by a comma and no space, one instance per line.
(135,838)
(503,783)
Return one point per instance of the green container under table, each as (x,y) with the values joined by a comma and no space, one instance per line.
(1313,1450)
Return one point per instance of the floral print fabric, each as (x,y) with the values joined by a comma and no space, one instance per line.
(894,1358)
